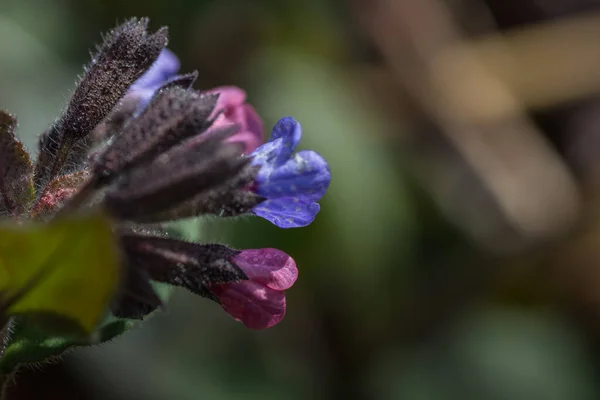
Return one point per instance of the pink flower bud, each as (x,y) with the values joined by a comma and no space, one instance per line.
(234,110)
(259,302)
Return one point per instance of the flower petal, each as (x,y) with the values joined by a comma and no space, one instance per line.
(271,267)
(249,139)
(163,70)
(289,131)
(287,212)
(306,176)
(254,124)
(265,154)
(246,117)
(291,185)
(255,305)
(229,96)
(142,97)
(234,111)
(165,67)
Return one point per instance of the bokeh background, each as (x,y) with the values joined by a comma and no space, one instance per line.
(457,253)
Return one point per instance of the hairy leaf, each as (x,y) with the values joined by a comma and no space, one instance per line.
(223,203)
(228,200)
(30,342)
(16,184)
(173,115)
(126,53)
(185,81)
(189,265)
(116,120)
(175,177)
(136,297)
(87,149)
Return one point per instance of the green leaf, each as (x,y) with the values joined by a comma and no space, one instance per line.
(29,342)
(68,267)
(16,170)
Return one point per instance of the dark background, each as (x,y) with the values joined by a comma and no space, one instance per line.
(456,254)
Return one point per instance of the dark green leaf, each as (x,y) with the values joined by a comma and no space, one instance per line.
(31,343)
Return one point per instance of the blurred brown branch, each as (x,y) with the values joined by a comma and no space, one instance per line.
(543,64)
(489,166)
(515,169)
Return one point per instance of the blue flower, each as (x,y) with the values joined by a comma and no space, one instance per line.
(291,183)
(163,70)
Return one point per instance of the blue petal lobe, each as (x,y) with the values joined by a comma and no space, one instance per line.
(266,154)
(305,176)
(164,68)
(289,131)
(287,212)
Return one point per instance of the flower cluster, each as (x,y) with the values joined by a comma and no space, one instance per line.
(138,140)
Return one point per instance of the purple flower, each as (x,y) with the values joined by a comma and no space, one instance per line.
(234,110)
(163,70)
(258,302)
(291,183)
(167,156)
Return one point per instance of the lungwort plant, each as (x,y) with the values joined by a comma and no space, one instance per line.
(83,249)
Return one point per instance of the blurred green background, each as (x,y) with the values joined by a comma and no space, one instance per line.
(402,292)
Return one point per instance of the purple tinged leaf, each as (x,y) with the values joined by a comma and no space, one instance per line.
(173,115)
(57,193)
(16,170)
(185,81)
(115,122)
(223,203)
(136,298)
(83,152)
(189,265)
(228,200)
(127,52)
(176,176)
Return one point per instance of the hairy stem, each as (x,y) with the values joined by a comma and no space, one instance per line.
(79,198)
(61,158)
(6,322)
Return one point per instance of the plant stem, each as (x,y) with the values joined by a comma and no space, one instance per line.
(85,192)
(4,384)
(6,322)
